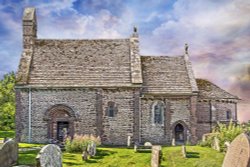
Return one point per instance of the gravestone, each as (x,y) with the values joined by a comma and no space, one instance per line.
(50,155)
(183,150)
(92,149)
(238,153)
(147,144)
(129,141)
(216,144)
(155,156)
(173,142)
(8,153)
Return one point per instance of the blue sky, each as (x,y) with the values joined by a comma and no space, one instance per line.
(218,32)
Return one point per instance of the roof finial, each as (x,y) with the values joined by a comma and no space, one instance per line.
(186,48)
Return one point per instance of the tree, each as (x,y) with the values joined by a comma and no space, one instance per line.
(7,102)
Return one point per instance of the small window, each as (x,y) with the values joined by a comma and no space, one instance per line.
(111,109)
(158,113)
(228,113)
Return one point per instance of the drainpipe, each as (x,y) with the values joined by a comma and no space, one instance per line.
(29,128)
(139,108)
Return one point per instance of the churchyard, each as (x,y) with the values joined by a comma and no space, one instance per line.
(123,156)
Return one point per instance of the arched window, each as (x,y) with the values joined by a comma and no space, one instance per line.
(111,109)
(228,114)
(158,113)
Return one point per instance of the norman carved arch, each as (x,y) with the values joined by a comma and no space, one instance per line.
(60,120)
(49,112)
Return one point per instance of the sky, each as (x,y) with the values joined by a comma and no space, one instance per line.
(217,32)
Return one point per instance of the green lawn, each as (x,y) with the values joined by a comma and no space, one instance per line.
(122,157)
(111,157)
(196,157)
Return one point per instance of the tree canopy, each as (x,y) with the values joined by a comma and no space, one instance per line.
(7,102)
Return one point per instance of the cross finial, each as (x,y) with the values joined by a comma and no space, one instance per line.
(135,29)
(186,48)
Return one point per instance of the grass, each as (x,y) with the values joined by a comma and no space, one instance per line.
(109,157)
(28,157)
(116,157)
(196,157)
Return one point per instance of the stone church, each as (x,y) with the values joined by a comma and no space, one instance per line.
(106,88)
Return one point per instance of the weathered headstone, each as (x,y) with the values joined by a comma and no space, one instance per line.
(147,144)
(173,142)
(135,147)
(129,141)
(50,155)
(85,155)
(216,144)
(183,150)
(155,156)
(8,153)
(238,153)
(92,149)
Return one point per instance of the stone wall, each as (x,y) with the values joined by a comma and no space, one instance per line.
(176,110)
(117,128)
(210,112)
(8,153)
(88,104)
(21,115)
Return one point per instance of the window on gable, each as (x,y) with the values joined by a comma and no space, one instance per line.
(228,114)
(158,113)
(111,109)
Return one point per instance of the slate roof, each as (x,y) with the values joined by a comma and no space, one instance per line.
(208,90)
(80,63)
(167,75)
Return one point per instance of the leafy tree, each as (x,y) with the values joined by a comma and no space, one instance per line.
(7,102)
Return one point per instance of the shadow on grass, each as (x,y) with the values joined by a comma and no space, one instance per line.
(100,154)
(143,151)
(192,154)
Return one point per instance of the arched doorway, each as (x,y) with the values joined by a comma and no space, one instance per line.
(60,122)
(179,133)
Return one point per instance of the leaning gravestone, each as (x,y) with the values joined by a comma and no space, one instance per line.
(238,153)
(50,155)
(8,153)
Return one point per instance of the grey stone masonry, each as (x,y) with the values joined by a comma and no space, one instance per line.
(136,71)
(29,37)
